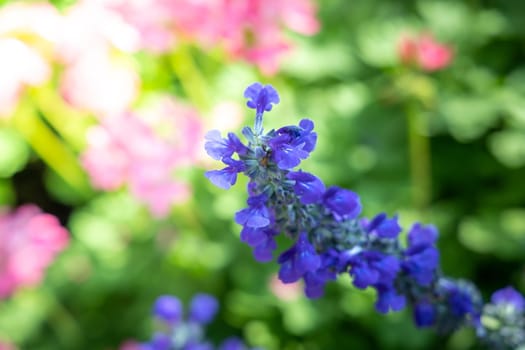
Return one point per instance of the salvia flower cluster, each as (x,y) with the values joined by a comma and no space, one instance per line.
(186,333)
(330,237)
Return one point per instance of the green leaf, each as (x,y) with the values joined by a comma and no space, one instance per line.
(508,147)
(468,117)
(14,152)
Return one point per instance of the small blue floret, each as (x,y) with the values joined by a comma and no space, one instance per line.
(261,97)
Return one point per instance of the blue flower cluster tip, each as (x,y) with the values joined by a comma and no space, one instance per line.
(177,333)
(329,236)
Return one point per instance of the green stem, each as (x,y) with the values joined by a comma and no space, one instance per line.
(49,147)
(68,122)
(190,77)
(420,158)
(62,321)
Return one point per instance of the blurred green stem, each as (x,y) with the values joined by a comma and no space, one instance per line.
(68,122)
(63,323)
(190,77)
(49,147)
(420,162)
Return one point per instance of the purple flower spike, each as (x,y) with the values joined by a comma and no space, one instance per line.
(264,251)
(388,299)
(257,215)
(383,227)
(226,178)
(344,204)
(425,314)
(261,97)
(460,303)
(219,148)
(509,296)
(199,346)
(203,308)
(168,309)
(307,186)
(262,240)
(421,257)
(298,260)
(160,341)
(308,137)
(291,144)
(422,235)
(372,268)
(232,343)
(421,264)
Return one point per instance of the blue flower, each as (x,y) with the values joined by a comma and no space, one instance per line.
(291,144)
(219,148)
(264,251)
(261,97)
(509,296)
(308,187)
(257,215)
(253,236)
(225,178)
(262,239)
(460,302)
(168,309)
(425,314)
(203,308)
(298,260)
(343,204)
(315,281)
(420,235)
(198,346)
(233,343)
(389,299)
(383,227)
(421,264)
(371,268)
(160,341)
(421,256)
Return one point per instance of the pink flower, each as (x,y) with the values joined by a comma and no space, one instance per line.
(96,83)
(88,27)
(20,65)
(433,55)
(29,242)
(128,345)
(425,52)
(149,19)
(6,346)
(253,30)
(143,150)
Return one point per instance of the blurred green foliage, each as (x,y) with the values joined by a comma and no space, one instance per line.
(349,81)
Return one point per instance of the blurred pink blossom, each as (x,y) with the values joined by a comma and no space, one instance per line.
(29,242)
(149,19)
(6,346)
(285,292)
(96,83)
(425,52)
(143,150)
(253,30)
(128,345)
(20,65)
(88,27)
